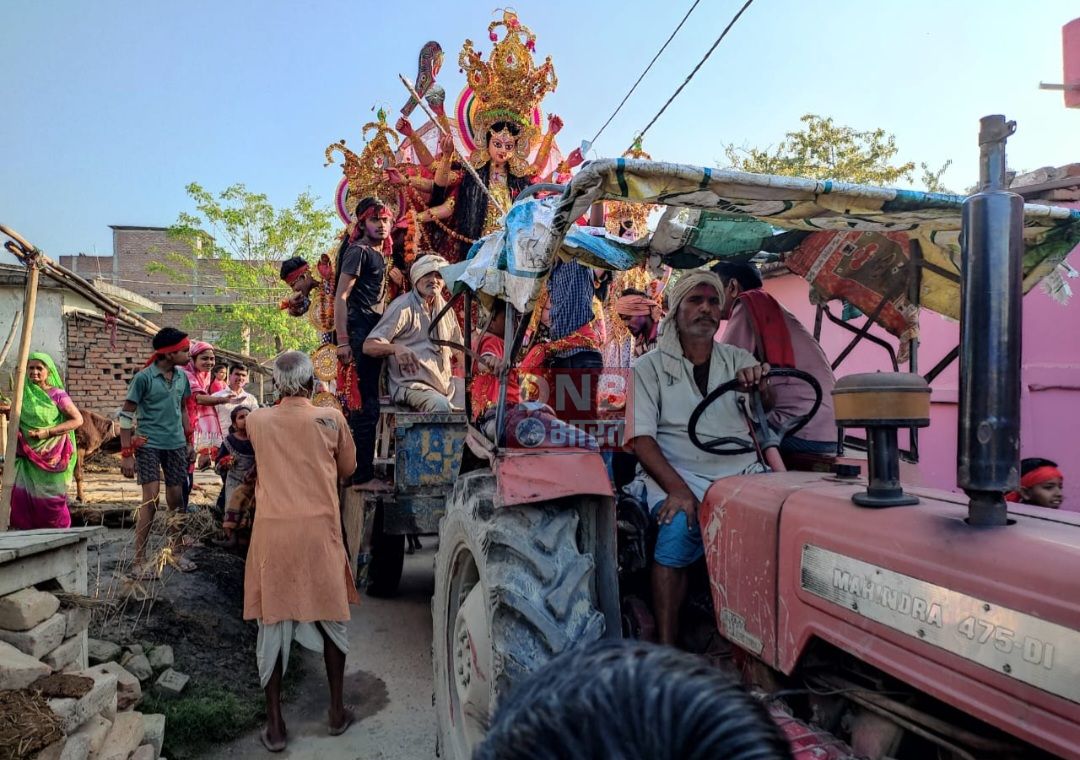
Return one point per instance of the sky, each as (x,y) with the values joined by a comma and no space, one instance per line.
(111,107)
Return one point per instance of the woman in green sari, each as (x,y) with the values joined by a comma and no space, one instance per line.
(45,458)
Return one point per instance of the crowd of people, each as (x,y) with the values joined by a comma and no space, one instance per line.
(281,467)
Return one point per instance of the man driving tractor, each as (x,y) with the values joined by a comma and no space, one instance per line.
(669,383)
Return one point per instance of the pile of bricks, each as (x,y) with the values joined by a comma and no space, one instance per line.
(39,638)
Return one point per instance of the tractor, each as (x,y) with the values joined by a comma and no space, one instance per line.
(875,618)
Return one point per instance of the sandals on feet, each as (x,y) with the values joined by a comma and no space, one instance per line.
(350,718)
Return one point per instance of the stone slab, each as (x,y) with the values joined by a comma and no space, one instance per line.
(76,620)
(154,731)
(171,683)
(138,666)
(144,752)
(161,658)
(65,654)
(75,712)
(128,688)
(27,608)
(101,651)
(39,640)
(95,730)
(124,737)
(19,670)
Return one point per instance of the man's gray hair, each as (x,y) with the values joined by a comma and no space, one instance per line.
(293,372)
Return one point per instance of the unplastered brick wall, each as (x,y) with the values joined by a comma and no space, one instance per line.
(100,366)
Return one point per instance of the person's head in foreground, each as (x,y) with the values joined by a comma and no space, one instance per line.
(294,375)
(1041,483)
(171,346)
(630,700)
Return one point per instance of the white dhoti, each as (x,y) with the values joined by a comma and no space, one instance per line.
(275,639)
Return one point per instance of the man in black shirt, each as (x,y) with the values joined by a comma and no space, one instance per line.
(358,305)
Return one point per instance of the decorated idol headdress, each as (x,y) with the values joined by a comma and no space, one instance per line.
(364,173)
(508,86)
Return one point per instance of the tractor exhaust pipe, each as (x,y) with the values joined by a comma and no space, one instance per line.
(992,249)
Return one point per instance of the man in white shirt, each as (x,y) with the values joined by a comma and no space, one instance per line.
(669,382)
(420,370)
(237,379)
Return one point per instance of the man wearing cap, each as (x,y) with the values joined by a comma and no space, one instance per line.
(420,368)
(669,382)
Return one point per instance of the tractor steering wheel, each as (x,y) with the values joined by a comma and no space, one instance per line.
(767,436)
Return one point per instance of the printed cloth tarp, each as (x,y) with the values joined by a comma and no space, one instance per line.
(851,242)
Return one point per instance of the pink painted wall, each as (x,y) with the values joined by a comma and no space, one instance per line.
(1050,407)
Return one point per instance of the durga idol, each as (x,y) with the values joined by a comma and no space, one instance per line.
(507,90)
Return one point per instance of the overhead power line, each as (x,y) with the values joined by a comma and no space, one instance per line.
(643,73)
(695,69)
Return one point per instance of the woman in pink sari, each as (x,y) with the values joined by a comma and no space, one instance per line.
(205,426)
(45,455)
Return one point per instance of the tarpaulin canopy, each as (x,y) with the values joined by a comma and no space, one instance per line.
(855,242)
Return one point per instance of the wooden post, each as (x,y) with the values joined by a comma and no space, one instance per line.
(29,305)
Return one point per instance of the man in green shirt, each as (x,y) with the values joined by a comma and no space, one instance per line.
(156,398)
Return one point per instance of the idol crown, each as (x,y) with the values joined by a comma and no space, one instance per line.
(364,172)
(508,85)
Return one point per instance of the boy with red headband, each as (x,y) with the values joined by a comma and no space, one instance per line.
(157,397)
(358,306)
(1041,484)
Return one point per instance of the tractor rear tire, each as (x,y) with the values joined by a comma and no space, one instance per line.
(387,559)
(512,591)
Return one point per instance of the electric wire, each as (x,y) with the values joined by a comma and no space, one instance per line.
(643,73)
(690,76)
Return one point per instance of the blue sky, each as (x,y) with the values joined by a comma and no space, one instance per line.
(112,106)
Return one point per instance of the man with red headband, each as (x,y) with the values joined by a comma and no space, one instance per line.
(296,273)
(1041,484)
(758,323)
(156,398)
(358,306)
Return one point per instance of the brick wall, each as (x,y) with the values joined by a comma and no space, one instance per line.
(98,374)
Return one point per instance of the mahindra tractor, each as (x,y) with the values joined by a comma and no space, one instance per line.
(874,617)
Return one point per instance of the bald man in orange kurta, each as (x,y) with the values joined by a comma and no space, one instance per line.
(297,581)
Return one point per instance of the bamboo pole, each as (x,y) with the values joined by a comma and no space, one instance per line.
(29,305)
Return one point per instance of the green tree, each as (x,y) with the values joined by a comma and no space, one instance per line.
(823,149)
(234,243)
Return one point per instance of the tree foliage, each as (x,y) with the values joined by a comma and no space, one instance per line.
(234,244)
(823,149)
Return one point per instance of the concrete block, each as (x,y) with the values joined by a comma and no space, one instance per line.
(138,666)
(124,737)
(76,620)
(39,640)
(94,730)
(171,683)
(76,748)
(103,651)
(161,658)
(144,752)
(128,689)
(75,712)
(19,670)
(64,655)
(154,731)
(25,609)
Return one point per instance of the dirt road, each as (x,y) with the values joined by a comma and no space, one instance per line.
(387,678)
(388,672)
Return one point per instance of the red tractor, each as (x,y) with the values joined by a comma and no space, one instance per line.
(876,620)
